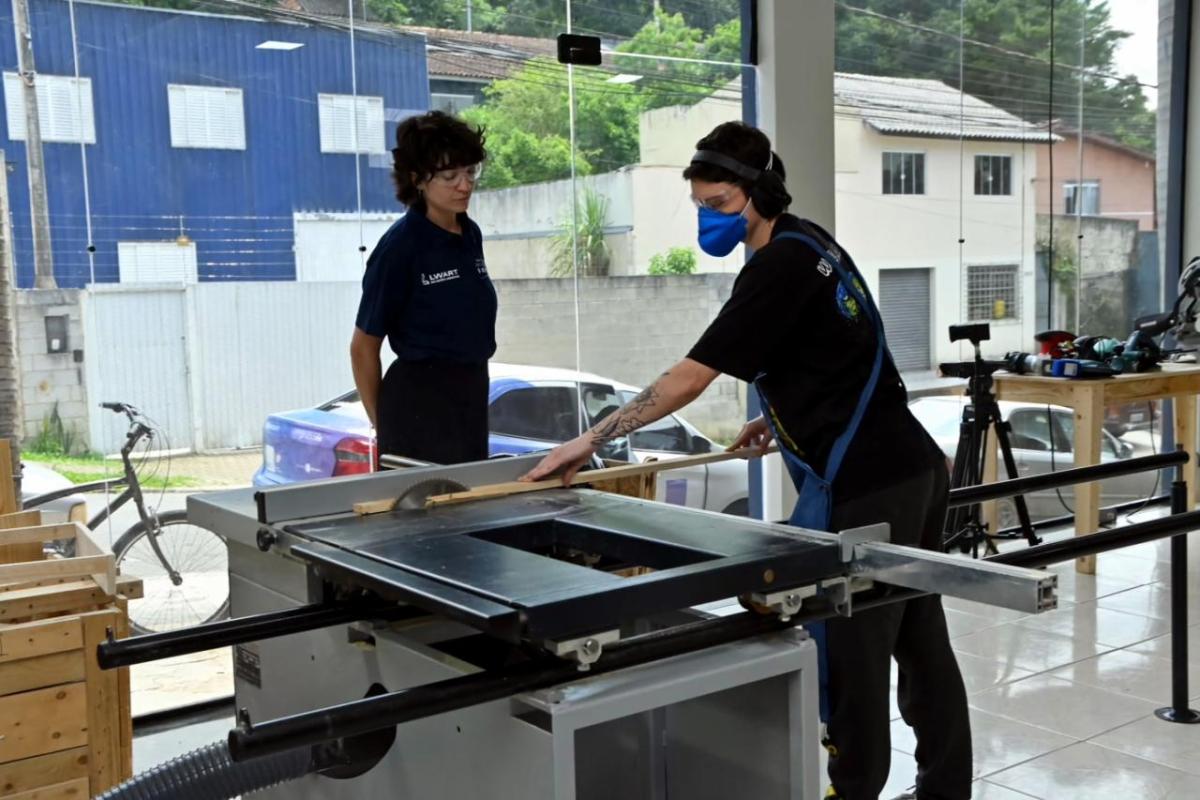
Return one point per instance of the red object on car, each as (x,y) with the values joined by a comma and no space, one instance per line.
(354,456)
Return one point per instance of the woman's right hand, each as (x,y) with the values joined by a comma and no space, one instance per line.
(756,433)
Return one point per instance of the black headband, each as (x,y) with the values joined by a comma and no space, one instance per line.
(724,161)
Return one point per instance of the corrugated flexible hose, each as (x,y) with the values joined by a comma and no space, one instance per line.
(210,773)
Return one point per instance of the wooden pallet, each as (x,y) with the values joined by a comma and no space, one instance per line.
(65,724)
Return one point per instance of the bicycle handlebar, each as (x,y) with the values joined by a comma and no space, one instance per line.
(122,408)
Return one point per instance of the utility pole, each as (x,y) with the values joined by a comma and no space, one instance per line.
(10,368)
(39,209)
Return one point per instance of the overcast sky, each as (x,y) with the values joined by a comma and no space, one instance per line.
(1139,53)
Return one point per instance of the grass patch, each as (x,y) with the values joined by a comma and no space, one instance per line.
(90,468)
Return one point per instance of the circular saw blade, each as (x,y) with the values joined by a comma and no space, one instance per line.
(415,496)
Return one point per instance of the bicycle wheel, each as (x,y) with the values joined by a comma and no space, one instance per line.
(197,554)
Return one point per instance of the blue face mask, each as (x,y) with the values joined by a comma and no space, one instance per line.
(720,232)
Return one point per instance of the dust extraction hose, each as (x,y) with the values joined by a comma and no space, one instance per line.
(209,773)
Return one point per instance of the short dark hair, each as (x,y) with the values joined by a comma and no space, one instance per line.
(428,143)
(741,142)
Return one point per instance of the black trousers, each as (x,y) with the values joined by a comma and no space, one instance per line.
(434,411)
(860,649)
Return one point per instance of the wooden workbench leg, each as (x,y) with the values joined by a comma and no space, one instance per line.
(1089,417)
(990,511)
(1185,437)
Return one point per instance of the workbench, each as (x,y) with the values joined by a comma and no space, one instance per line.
(1088,399)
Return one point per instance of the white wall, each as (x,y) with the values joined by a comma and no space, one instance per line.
(922,231)
(327,244)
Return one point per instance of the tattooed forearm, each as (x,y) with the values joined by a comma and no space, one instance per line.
(639,411)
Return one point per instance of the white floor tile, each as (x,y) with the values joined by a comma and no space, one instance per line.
(998,615)
(1087,771)
(1160,646)
(1061,706)
(1015,646)
(1076,588)
(1150,600)
(982,673)
(1088,622)
(997,742)
(986,790)
(1130,673)
(960,623)
(1118,566)
(1152,739)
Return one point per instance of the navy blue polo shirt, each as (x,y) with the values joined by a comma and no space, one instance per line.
(428,291)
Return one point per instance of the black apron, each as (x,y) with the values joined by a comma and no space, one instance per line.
(435,411)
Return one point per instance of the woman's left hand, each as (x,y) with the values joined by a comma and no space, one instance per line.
(568,458)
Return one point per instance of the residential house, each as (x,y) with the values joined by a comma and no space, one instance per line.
(1096,176)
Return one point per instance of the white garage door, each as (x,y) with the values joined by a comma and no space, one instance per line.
(904,303)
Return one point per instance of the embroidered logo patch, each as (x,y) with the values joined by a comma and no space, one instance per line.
(429,279)
(848,303)
(825,268)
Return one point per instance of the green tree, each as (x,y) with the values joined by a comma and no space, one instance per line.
(1006,57)
(670,83)
(612,19)
(527,121)
(451,14)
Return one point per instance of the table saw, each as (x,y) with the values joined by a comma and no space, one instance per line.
(565,643)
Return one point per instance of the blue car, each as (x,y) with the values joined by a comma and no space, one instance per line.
(530,409)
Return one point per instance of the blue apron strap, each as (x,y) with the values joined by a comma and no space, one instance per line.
(857,289)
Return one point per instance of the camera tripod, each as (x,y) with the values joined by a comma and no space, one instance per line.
(964,526)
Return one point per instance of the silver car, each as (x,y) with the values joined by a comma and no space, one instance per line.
(1042,440)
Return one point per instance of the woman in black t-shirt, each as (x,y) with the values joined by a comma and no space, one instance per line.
(426,290)
(800,324)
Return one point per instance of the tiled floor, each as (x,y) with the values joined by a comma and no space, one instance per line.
(1062,704)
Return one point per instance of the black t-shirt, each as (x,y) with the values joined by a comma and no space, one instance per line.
(791,324)
(428,291)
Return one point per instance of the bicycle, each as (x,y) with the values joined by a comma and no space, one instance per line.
(184,568)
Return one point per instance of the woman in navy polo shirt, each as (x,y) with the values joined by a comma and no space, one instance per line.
(426,290)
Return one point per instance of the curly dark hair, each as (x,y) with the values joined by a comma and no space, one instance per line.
(741,142)
(428,143)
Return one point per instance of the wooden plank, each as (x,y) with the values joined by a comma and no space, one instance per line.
(103,704)
(78,566)
(24,552)
(21,519)
(40,638)
(40,672)
(125,698)
(43,721)
(32,773)
(69,790)
(43,601)
(1185,437)
(1089,417)
(12,587)
(41,533)
(85,545)
(8,490)
(130,587)
(591,476)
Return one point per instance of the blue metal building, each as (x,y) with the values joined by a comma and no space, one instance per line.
(236,205)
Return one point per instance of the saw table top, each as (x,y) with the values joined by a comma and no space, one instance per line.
(524,566)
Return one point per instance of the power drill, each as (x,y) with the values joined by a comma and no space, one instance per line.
(1139,353)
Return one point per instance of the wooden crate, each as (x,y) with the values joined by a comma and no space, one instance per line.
(65,724)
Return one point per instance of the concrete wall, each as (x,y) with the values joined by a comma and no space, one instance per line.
(631,329)
(1126,179)
(51,379)
(1108,253)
